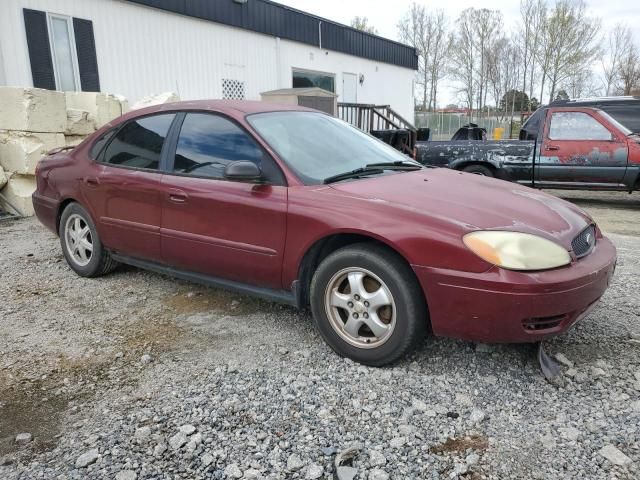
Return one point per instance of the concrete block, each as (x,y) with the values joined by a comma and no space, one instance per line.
(3,178)
(73,140)
(18,191)
(102,107)
(32,110)
(158,99)
(79,122)
(20,152)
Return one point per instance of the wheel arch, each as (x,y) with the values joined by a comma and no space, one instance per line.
(328,244)
(467,163)
(63,204)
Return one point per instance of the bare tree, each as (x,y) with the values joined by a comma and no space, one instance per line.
(487,25)
(428,33)
(532,17)
(629,71)
(362,23)
(463,56)
(568,43)
(581,83)
(619,41)
(503,62)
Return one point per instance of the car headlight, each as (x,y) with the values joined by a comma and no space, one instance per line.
(516,251)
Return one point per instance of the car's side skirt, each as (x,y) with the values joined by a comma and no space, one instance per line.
(273,295)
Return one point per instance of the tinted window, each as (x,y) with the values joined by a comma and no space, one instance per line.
(306,79)
(576,126)
(627,115)
(96,148)
(208,143)
(139,143)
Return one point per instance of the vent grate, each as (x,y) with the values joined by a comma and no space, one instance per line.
(233,89)
(584,242)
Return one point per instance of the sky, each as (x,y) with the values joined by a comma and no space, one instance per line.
(384,15)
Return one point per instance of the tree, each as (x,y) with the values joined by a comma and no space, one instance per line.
(503,61)
(362,23)
(516,98)
(562,95)
(428,33)
(568,43)
(463,56)
(628,71)
(619,42)
(533,14)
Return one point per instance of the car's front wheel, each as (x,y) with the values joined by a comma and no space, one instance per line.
(81,244)
(367,304)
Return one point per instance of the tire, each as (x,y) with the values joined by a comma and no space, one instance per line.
(479,170)
(385,276)
(96,261)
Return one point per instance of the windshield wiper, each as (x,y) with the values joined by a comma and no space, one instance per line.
(398,165)
(358,172)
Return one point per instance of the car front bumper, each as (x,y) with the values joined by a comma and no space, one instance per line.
(503,306)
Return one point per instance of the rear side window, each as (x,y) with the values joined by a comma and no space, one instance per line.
(577,126)
(208,143)
(627,115)
(139,143)
(99,144)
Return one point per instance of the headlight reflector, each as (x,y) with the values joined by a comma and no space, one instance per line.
(516,251)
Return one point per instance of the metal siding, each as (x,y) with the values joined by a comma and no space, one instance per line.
(277,20)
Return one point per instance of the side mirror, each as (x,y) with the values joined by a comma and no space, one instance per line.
(243,171)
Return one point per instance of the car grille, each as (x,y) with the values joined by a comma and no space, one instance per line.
(584,242)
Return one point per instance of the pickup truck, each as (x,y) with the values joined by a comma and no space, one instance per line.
(576,148)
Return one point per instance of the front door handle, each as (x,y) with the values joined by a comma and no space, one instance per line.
(91,181)
(177,196)
(552,148)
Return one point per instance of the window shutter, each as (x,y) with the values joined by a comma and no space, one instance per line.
(87,59)
(35,23)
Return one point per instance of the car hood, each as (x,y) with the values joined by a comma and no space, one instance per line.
(473,202)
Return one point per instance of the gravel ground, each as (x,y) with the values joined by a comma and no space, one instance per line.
(137,375)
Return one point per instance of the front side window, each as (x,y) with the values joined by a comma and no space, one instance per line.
(317,146)
(577,126)
(63,53)
(306,78)
(139,143)
(208,143)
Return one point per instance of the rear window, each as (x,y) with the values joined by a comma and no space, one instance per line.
(96,148)
(139,143)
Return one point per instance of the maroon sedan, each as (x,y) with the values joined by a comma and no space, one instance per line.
(293,205)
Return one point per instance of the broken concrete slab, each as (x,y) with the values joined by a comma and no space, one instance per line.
(73,140)
(20,152)
(18,191)
(79,122)
(3,178)
(32,110)
(101,107)
(159,99)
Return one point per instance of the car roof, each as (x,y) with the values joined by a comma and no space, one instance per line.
(231,107)
(597,101)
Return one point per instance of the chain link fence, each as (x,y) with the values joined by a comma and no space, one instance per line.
(444,125)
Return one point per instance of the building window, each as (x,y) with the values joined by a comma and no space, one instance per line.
(63,52)
(232,89)
(308,78)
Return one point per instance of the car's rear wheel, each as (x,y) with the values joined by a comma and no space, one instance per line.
(81,244)
(367,304)
(479,170)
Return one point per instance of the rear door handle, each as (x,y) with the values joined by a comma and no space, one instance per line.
(552,147)
(91,181)
(177,196)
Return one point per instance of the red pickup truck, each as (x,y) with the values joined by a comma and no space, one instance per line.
(576,148)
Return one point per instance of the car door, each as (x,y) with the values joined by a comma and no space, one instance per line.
(577,149)
(124,187)
(225,229)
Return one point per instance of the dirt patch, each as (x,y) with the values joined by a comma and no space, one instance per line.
(459,445)
(203,299)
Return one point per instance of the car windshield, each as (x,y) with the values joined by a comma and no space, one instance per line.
(615,123)
(317,146)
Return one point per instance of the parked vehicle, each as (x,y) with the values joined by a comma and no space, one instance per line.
(579,148)
(626,110)
(296,206)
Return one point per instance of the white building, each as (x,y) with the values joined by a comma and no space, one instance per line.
(199,49)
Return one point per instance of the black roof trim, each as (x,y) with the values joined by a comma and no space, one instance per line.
(270,18)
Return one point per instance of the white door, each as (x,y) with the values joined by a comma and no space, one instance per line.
(349,88)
